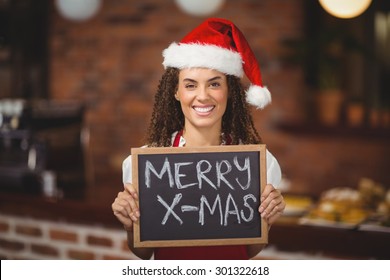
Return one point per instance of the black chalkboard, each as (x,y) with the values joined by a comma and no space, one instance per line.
(199,196)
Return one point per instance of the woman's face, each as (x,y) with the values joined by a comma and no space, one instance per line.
(203,95)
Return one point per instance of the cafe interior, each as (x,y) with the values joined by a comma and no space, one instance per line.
(77,84)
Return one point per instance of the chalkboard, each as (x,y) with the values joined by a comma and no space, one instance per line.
(199,196)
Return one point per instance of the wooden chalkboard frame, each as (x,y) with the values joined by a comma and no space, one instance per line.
(262,238)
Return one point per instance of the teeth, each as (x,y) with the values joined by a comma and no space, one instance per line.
(203,109)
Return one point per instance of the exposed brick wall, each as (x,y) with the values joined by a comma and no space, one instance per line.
(36,239)
(27,238)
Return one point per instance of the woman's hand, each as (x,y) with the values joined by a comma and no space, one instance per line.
(125,207)
(272,204)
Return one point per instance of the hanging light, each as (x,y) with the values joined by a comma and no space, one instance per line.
(200,7)
(78,10)
(345,8)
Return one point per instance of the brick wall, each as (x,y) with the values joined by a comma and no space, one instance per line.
(24,238)
(27,238)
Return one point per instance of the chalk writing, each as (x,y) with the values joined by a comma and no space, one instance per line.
(231,208)
(202,195)
(214,174)
(222,169)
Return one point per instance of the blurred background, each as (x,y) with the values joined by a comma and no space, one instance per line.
(77,81)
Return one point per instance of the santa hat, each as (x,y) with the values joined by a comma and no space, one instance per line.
(218,44)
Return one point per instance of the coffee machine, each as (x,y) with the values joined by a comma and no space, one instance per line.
(42,151)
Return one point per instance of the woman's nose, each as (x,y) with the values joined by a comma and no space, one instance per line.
(203,93)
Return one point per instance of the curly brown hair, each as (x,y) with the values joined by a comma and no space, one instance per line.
(167,116)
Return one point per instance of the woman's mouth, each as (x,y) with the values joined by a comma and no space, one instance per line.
(203,109)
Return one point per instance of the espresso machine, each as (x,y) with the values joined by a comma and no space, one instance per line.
(41,148)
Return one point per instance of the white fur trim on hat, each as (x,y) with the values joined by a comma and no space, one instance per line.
(258,96)
(199,55)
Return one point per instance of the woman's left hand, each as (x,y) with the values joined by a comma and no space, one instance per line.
(272,204)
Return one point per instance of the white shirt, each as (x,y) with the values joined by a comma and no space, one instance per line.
(274,173)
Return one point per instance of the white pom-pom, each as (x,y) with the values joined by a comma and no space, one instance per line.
(258,96)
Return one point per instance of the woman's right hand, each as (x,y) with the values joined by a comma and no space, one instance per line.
(125,207)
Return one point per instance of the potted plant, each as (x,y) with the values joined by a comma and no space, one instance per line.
(323,59)
(355,111)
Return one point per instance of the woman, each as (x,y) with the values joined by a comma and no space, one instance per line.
(200,102)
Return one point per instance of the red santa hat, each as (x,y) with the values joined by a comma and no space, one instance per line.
(218,44)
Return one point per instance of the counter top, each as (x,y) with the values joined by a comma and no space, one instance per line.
(343,243)
(286,235)
(64,210)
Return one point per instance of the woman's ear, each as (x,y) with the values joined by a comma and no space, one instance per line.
(177,96)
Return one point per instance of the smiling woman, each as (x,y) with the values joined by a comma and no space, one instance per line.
(200,102)
(203,95)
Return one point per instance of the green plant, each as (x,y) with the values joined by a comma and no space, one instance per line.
(322,57)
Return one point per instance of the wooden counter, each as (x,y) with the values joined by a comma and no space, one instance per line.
(64,210)
(286,235)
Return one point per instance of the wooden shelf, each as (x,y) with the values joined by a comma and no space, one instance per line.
(317,130)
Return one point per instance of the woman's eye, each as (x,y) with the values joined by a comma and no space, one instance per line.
(215,84)
(189,86)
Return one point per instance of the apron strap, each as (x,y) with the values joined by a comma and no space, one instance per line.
(176,141)
(177,138)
